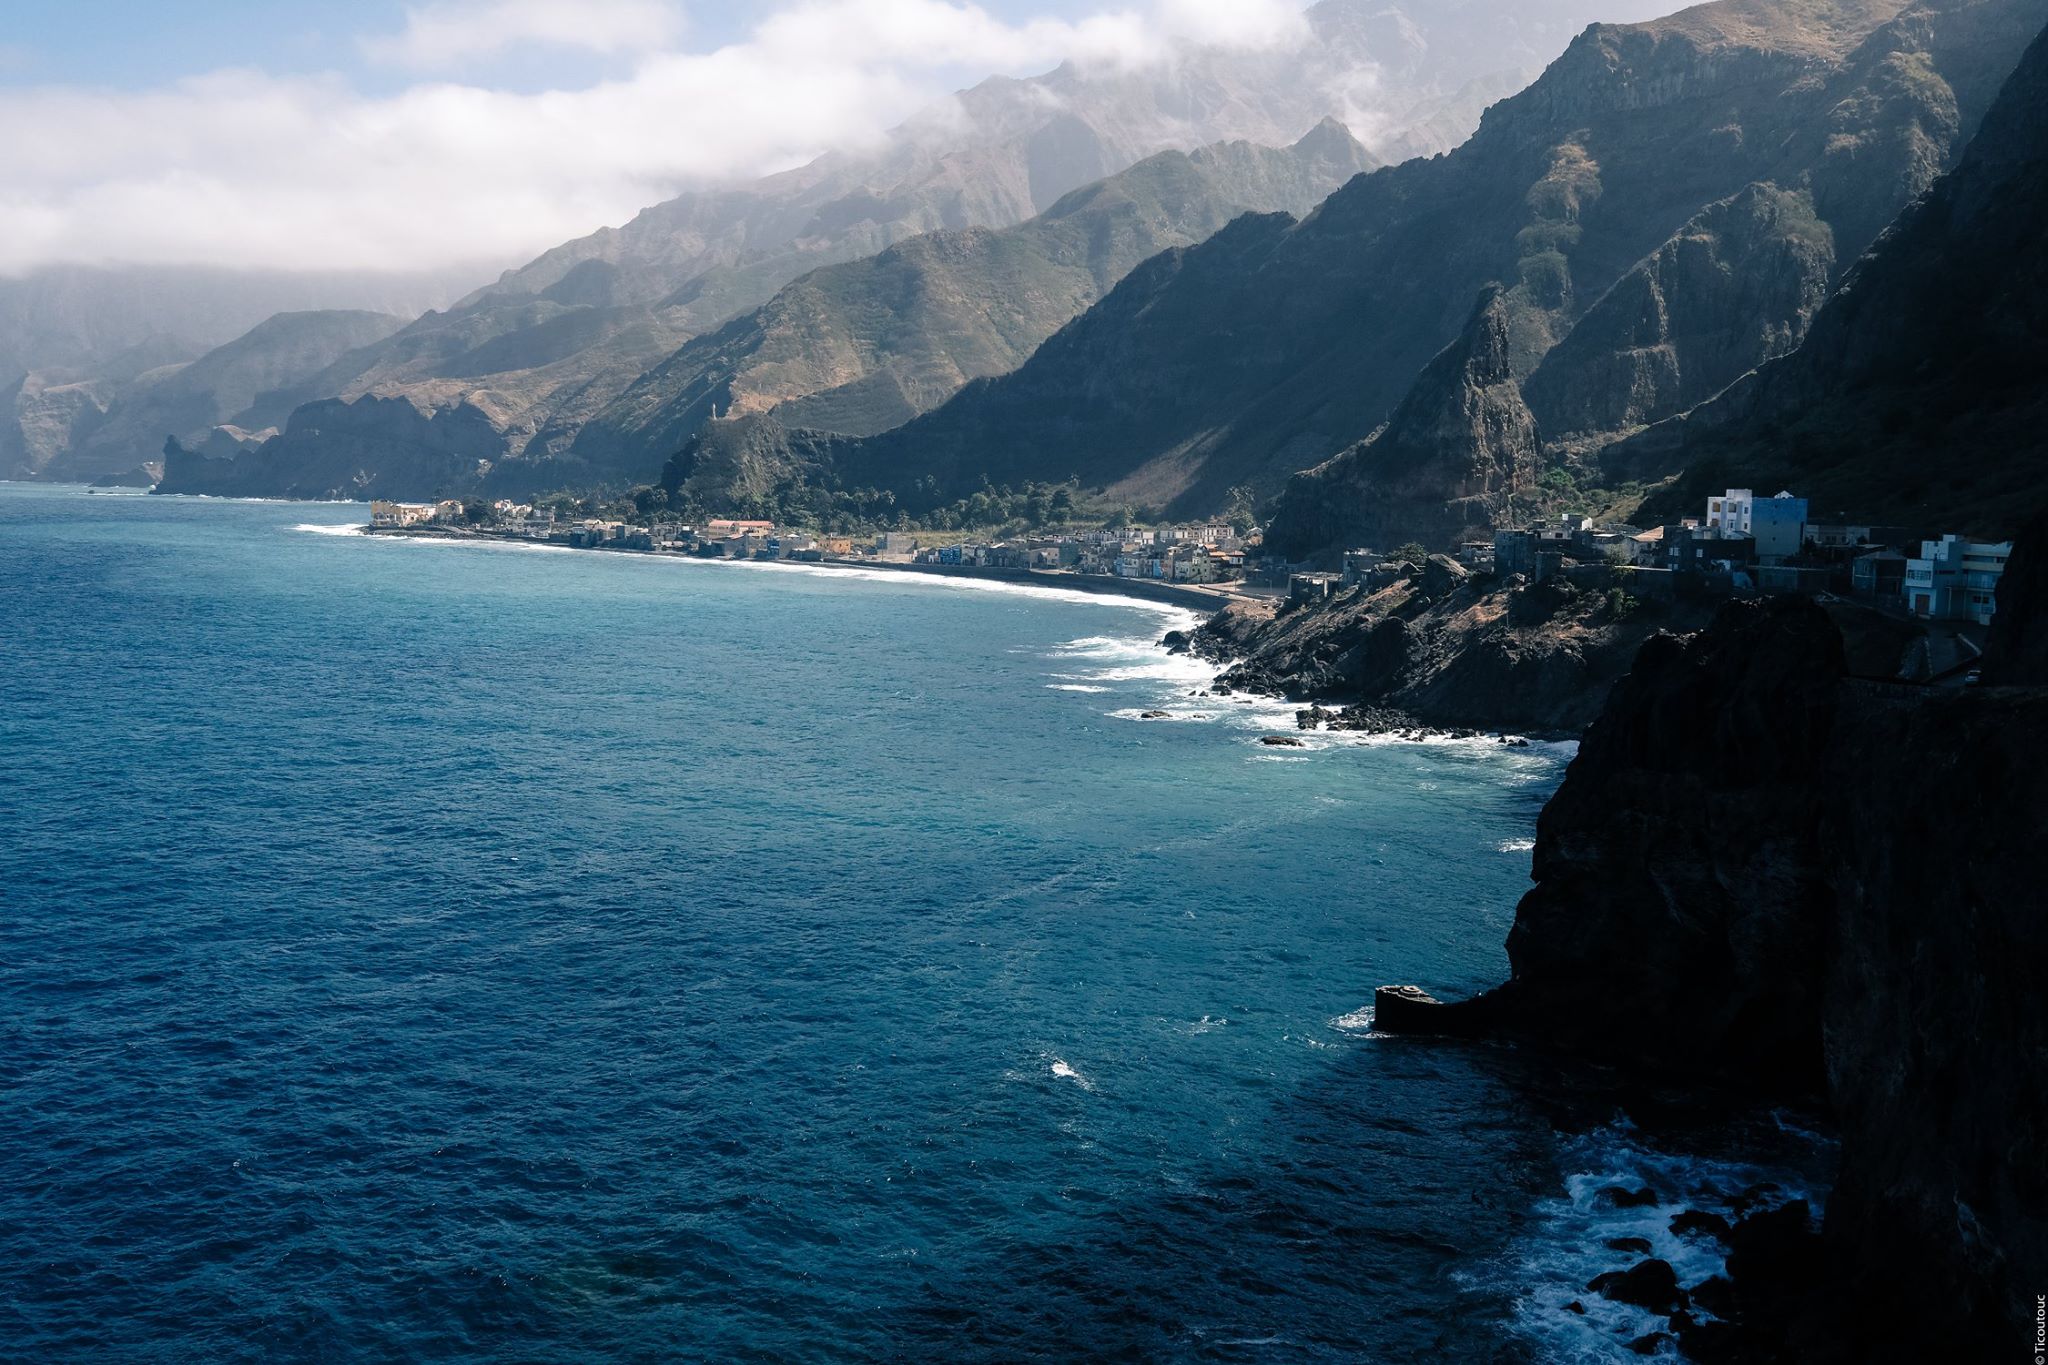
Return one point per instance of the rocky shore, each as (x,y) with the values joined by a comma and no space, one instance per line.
(1442,650)
(1765,870)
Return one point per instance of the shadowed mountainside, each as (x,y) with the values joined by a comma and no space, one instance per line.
(865,342)
(1274,343)
(1937,341)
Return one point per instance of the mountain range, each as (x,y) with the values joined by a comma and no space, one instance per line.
(1660,212)
(1564,300)
(543,348)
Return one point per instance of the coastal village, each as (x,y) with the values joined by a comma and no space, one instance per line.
(1742,544)
(1194,564)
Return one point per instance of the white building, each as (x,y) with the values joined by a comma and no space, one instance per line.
(1777,523)
(400,513)
(1956,579)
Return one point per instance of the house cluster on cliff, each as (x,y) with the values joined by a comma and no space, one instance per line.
(1746,543)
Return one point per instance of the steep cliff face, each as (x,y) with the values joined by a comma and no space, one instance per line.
(1460,446)
(1691,857)
(743,465)
(1763,870)
(1937,340)
(220,387)
(1735,287)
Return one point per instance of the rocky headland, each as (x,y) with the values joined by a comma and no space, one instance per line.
(1441,648)
(1764,870)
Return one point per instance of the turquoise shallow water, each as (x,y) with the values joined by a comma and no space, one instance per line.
(429,951)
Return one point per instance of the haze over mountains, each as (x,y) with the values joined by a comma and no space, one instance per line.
(1274,344)
(1663,210)
(1434,347)
(1406,79)
(72,337)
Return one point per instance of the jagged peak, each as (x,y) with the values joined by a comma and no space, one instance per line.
(1332,139)
(1478,360)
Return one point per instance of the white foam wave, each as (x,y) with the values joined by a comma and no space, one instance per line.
(1516,845)
(1358,1021)
(1061,1069)
(1074,687)
(1568,1244)
(320,529)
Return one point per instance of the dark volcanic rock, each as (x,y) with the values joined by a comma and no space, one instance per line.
(1715,1295)
(1465,661)
(1460,445)
(1679,905)
(1639,1245)
(1763,870)
(1697,1223)
(1280,741)
(1650,1284)
(1622,1197)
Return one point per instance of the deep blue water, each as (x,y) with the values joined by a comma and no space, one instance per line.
(426,951)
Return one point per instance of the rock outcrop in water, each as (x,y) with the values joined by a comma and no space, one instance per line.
(1764,870)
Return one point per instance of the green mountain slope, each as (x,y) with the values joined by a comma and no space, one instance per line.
(868,345)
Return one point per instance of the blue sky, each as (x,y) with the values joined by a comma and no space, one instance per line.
(134,44)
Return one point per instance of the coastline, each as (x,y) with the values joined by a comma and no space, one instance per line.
(1206,601)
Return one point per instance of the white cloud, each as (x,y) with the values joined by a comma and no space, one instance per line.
(450,33)
(242,168)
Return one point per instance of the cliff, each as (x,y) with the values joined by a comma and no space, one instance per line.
(1451,459)
(1733,288)
(225,386)
(1936,341)
(373,447)
(1764,870)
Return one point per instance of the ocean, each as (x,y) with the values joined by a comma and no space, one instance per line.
(426,951)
